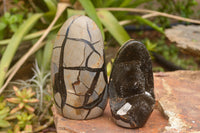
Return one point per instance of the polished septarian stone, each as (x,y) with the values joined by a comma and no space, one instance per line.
(78,73)
(131,87)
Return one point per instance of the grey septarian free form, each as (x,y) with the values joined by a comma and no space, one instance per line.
(78,71)
(131,86)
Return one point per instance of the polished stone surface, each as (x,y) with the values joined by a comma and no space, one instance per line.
(78,72)
(131,86)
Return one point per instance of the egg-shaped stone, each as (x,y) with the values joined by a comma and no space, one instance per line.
(78,73)
(131,86)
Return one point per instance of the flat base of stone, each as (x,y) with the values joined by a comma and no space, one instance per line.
(178,96)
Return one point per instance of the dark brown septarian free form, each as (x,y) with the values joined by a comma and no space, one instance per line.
(131,87)
(78,71)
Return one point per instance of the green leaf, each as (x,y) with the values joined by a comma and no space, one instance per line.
(7,15)
(29,117)
(2,116)
(137,3)
(1,99)
(150,46)
(109,68)
(39,55)
(30,36)
(112,3)
(151,24)
(90,10)
(14,43)
(48,51)
(4,123)
(115,29)
(4,111)
(2,26)
(73,2)
(12,19)
(108,3)
(51,5)
(1,37)
(71,12)
(19,117)
(13,27)
(125,3)
(97,3)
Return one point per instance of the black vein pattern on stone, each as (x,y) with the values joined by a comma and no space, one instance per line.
(86,42)
(91,89)
(57,47)
(96,77)
(90,105)
(95,80)
(85,69)
(78,77)
(89,33)
(59,77)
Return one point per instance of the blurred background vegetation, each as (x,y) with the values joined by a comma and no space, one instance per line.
(25,104)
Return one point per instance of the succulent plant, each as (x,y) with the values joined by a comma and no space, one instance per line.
(4,112)
(24,119)
(23,99)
